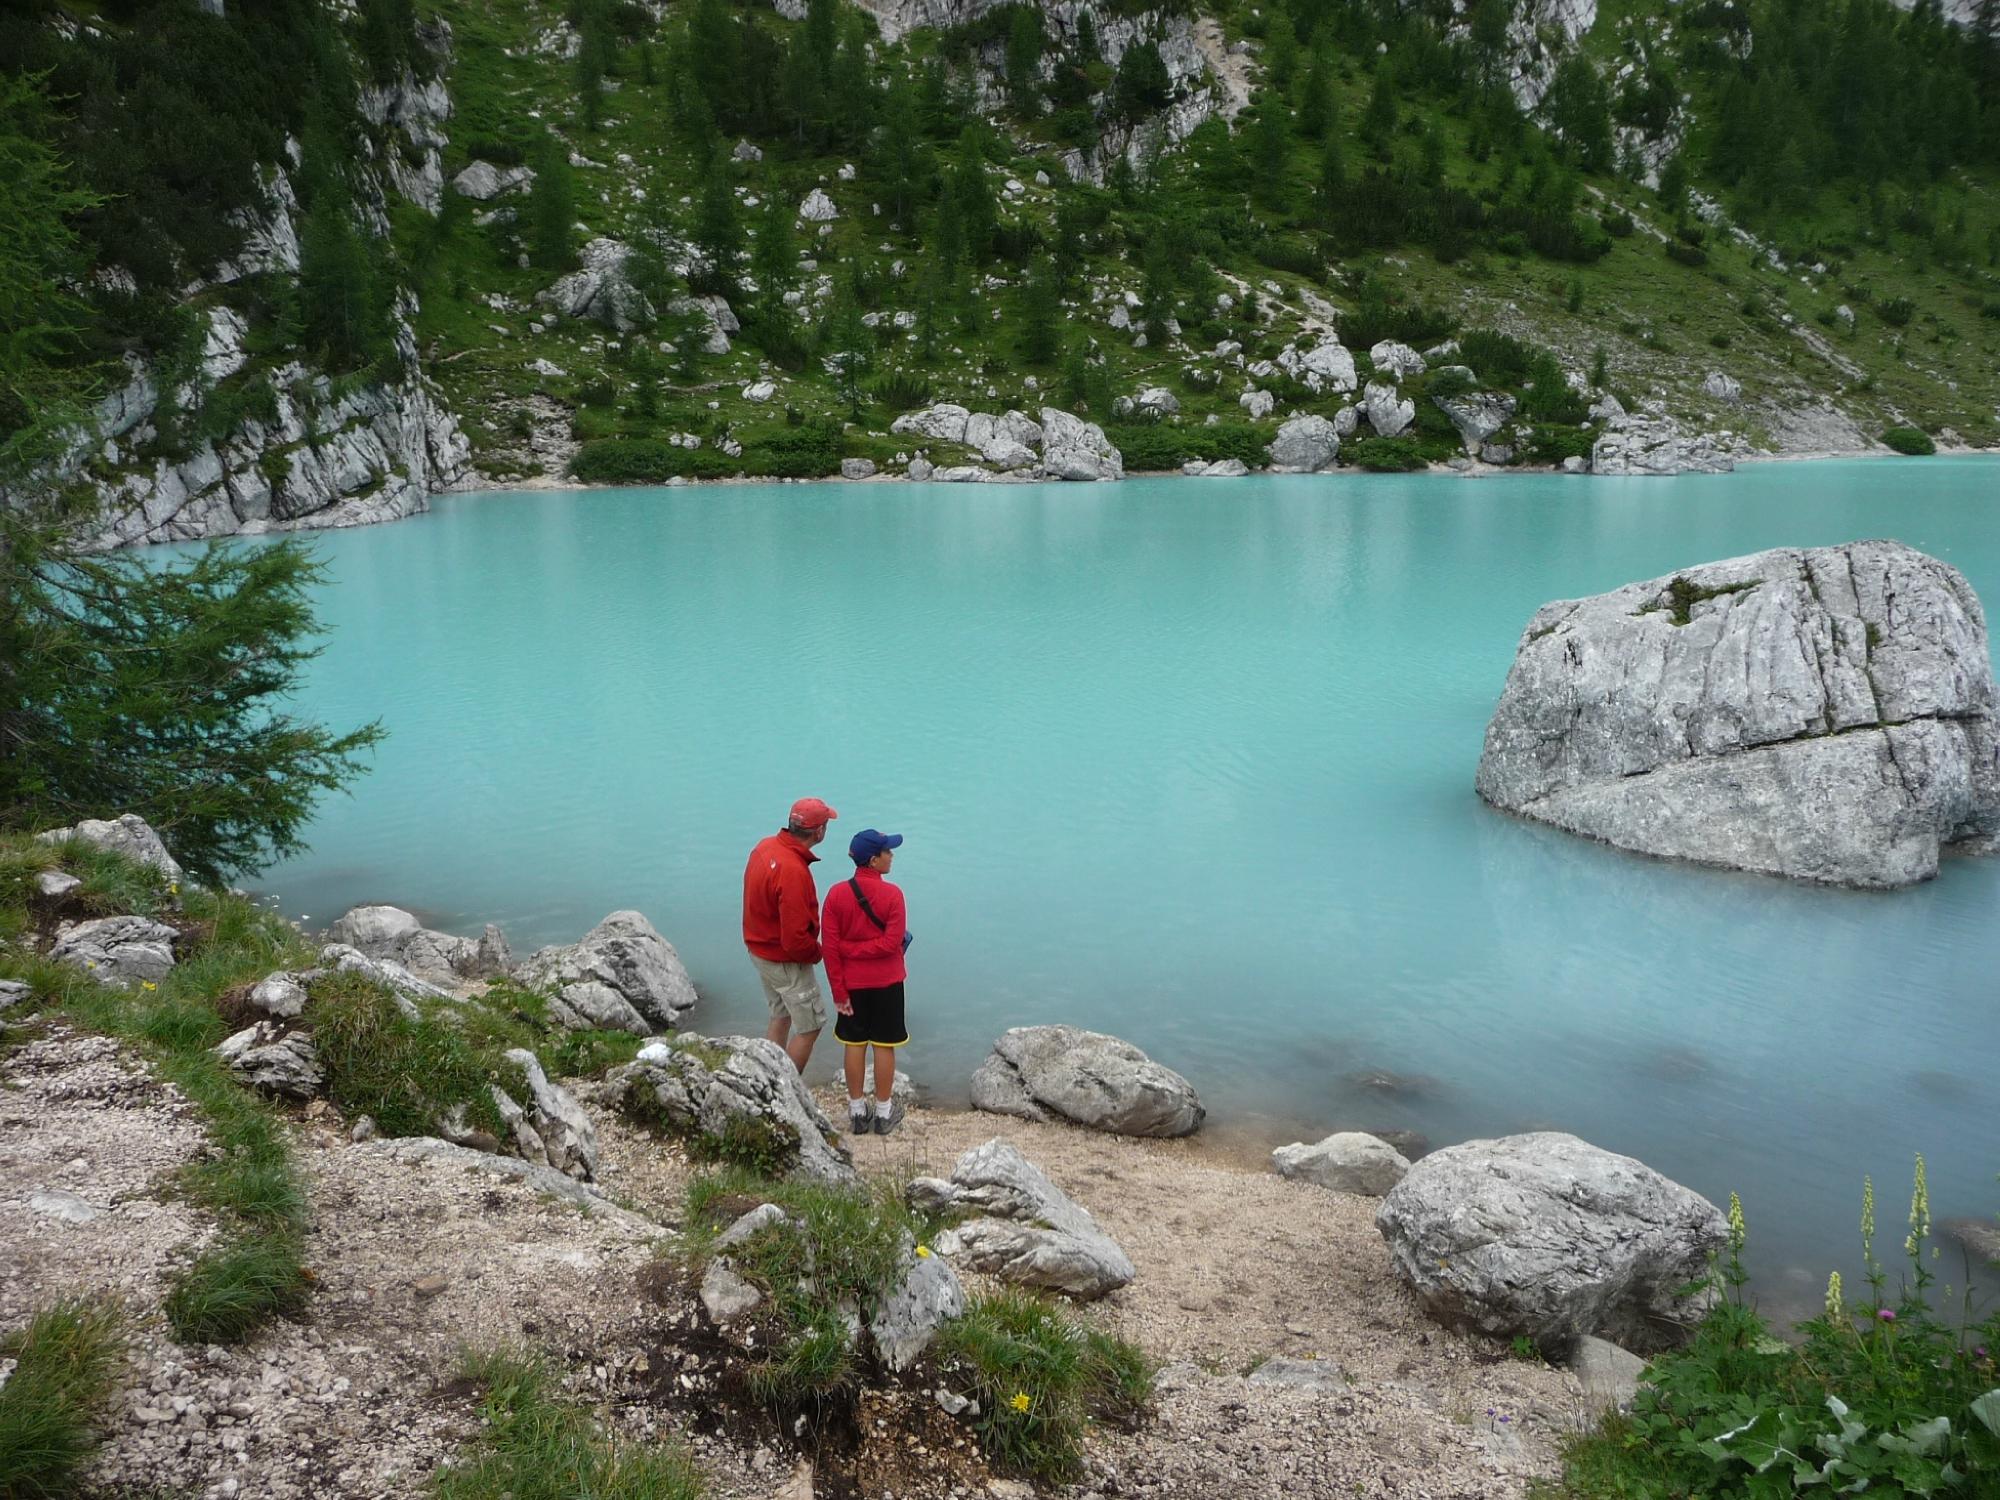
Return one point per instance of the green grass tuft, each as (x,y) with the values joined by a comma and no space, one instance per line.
(537,1446)
(68,1356)
(231,1290)
(1041,1379)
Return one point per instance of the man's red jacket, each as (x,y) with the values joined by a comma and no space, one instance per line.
(860,955)
(780,901)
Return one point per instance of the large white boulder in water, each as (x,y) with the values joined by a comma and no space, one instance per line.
(1827,714)
(1086,1078)
(1548,1236)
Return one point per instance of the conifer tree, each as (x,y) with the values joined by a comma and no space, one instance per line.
(1578,107)
(1316,102)
(774,257)
(552,208)
(1270,151)
(1024,59)
(1378,122)
(718,225)
(1040,305)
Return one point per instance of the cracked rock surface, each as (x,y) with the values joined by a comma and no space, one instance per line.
(1826,714)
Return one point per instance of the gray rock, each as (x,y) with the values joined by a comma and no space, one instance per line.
(13,992)
(64,1207)
(127,834)
(1025,1229)
(760,391)
(736,1089)
(1306,444)
(542,1179)
(1633,445)
(818,208)
(117,950)
(1608,1374)
(483,182)
(343,959)
(1827,715)
(53,885)
(1326,366)
(1157,401)
(389,932)
(1724,388)
(1346,422)
(1477,415)
(1389,413)
(1301,1374)
(763,1216)
(568,1138)
(1346,1162)
(919,469)
(726,1296)
(601,291)
(379,931)
(857,468)
(925,1297)
(491,956)
(279,995)
(1074,449)
(621,976)
(944,423)
(1086,1078)
(1549,1237)
(1221,468)
(747,151)
(267,1057)
(1259,404)
(1398,361)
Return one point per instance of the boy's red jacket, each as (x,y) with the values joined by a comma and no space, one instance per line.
(860,955)
(780,901)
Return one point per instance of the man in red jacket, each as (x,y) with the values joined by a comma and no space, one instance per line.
(781,927)
(865,933)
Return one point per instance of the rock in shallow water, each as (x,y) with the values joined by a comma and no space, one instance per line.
(1086,1078)
(1548,1236)
(1826,714)
(1346,1162)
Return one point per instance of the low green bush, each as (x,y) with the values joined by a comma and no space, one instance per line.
(1551,445)
(1897,311)
(1041,1378)
(648,461)
(66,1363)
(1888,1396)
(1159,447)
(535,1445)
(1686,254)
(1384,455)
(1913,441)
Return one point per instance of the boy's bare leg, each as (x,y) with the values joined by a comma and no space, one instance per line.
(885,1073)
(855,1061)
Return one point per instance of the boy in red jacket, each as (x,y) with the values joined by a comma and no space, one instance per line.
(862,936)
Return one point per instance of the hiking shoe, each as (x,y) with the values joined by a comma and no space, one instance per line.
(887,1119)
(862,1123)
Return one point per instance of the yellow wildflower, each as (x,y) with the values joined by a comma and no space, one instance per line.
(1020,1401)
(924,1251)
(1835,1308)
(147,984)
(1738,1231)
(173,889)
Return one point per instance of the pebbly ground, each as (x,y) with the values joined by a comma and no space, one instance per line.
(1294,1365)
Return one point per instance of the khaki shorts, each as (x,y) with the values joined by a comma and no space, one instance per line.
(792,990)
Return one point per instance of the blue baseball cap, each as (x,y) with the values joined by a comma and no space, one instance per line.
(866,844)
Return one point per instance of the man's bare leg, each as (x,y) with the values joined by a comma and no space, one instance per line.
(800,1048)
(779,1030)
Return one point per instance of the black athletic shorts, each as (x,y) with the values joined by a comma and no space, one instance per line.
(877,1020)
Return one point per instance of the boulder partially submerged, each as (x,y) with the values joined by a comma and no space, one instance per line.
(1023,1227)
(1548,1237)
(1087,1078)
(1827,714)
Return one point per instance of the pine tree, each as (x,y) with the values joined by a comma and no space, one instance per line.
(1040,313)
(339,311)
(1270,152)
(1076,373)
(1024,60)
(1578,107)
(552,208)
(718,225)
(972,197)
(1378,122)
(1316,101)
(1331,193)
(774,257)
(900,159)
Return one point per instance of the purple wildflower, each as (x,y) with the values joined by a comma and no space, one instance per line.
(1887,1314)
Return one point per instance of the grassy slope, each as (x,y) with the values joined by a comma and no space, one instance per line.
(1663,326)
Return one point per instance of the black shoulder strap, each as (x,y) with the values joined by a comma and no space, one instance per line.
(854,885)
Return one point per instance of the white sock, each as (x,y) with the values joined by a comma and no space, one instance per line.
(857,1106)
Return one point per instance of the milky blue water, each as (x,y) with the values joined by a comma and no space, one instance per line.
(1188,762)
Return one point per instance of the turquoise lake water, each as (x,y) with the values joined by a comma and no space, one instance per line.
(1188,762)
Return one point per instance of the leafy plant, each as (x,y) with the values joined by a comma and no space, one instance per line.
(1913,441)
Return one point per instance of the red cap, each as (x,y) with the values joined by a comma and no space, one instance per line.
(810,812)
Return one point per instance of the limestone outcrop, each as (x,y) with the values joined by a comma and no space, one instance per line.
(1828,715)
(1548,1237)
(127,834)
(620,976)
(1636,444)
(1305,444)
(392,933)
(117,950)
(742,1095)
(1086,1078)
(1023,1227)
